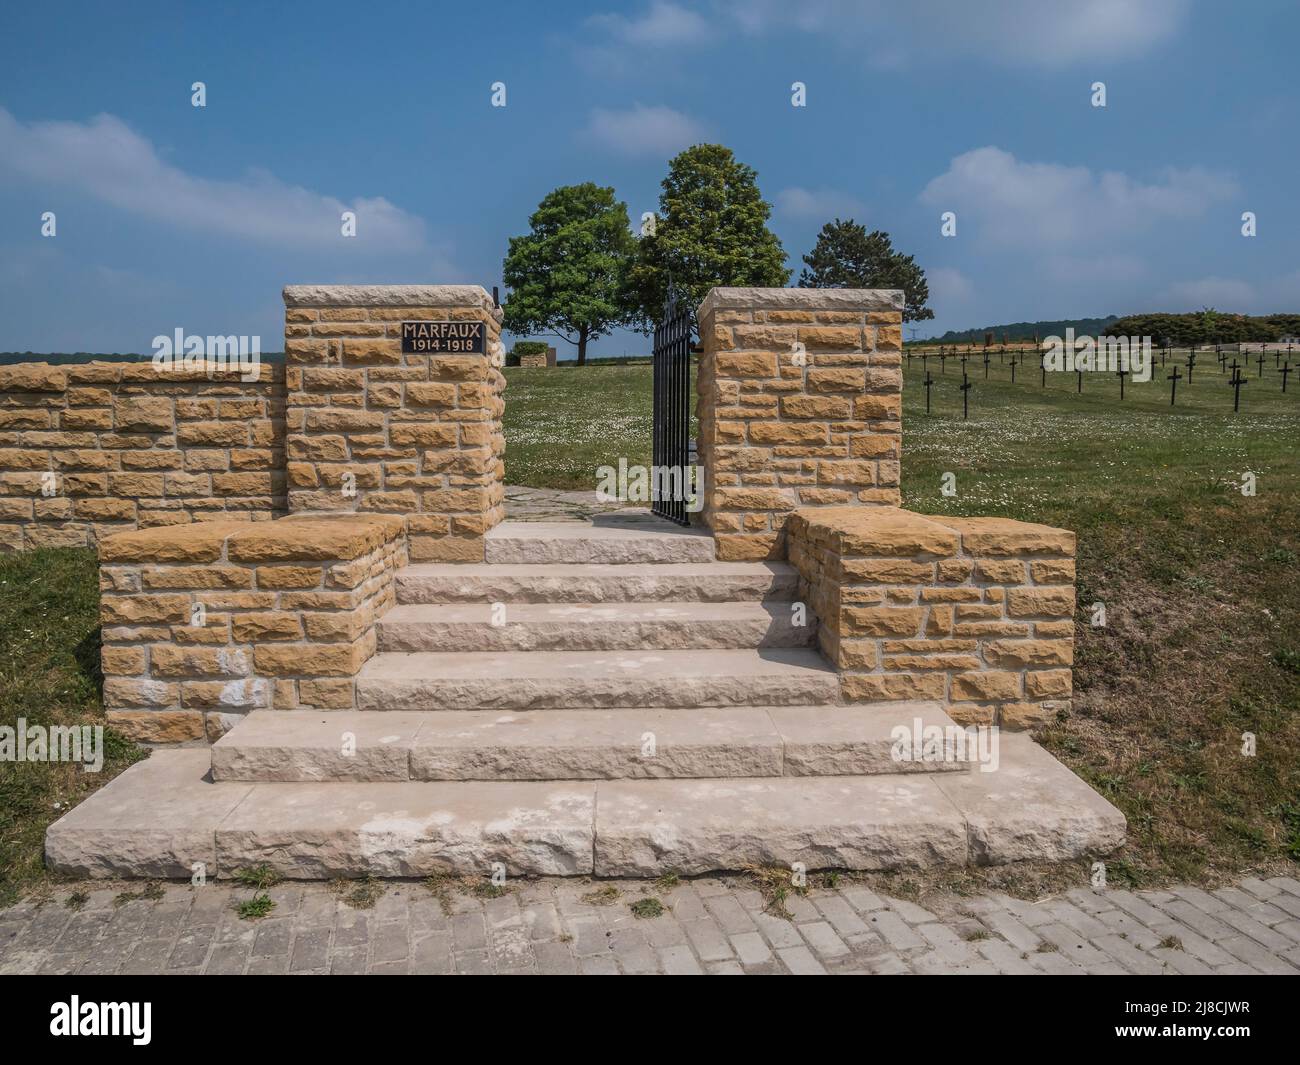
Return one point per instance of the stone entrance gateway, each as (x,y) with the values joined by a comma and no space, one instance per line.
(393,680)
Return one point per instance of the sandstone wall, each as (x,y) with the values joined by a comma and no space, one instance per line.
(800,404)
(976,612)
(204,623)
(93,449)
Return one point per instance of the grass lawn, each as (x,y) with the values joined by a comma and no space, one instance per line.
(49,675)
(1200,584)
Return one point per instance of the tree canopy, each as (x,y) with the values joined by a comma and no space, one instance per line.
(847,256)
(568,275)
(711,230)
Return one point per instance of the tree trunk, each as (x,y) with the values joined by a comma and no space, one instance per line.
(582,345)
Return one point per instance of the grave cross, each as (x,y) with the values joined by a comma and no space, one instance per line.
(1042,365)
(943,363)
(929,383)
(1122,373)
(965,395)
(1223,360)
(1191,364)
(1236,382)
(1080,373)
(1286,369)
(1260,361)
(1013,367)
(986,365)
(1173,378)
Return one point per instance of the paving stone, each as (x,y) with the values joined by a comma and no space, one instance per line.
(822,938)
(861,898)
(431,954)
(679,961)
(472,962)
(1182,962)
(751,949)
(800,961)
(554,959)
(729,914)
(311,950)
(707,939)
(896,932)
(1134,960)
(1005,958)
(1255,955)
(598,965)
(1202,900)
(389,942)
(726,968)
(842,916)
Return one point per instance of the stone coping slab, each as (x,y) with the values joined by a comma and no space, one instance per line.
(306,537)
(893,531)
(389,296)
(801,299)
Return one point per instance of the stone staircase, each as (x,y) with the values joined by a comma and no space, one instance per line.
(593,698)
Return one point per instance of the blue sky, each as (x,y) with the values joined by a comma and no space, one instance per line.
(174,216)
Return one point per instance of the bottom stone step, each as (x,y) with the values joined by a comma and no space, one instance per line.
(165,817)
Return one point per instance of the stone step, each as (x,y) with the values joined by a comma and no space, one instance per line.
(612,539)
(533,680)
(593,626)
(166,817)
(629,743)
(700,582)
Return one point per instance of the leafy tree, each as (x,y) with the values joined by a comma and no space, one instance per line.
(567,275)
(711,230)
(847,256)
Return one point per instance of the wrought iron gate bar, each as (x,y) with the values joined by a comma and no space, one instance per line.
(670,453)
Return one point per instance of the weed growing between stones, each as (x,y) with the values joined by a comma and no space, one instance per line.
(152,891)
(603,896)
(254,909)
(776,883)
(647,908)
(359,894)
(259,876)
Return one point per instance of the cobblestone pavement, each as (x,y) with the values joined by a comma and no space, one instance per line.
(714,925)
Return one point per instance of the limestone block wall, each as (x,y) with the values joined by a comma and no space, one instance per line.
(975,612)
(800,404)
(372,429)
(93,449)
(203,623)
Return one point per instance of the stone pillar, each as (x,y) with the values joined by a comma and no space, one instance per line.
(800,404)
(373,428)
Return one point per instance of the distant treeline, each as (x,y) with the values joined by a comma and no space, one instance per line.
(1205,327)
(8,358)
(1025,331)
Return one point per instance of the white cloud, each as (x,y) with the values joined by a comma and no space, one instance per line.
(107,160)
(1042,32)
(643,131)
(949,287)
(661,25)
(1013,203)
(819,204)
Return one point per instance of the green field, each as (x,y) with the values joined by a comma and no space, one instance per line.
(1200,584)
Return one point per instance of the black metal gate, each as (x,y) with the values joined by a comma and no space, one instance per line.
(670,483)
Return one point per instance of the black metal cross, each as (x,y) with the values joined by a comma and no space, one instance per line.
(1174,378)
(943,363)
(1223,360)
(1286,369)
(1013,367)
(986,365)
(1260,361)
(1236,382)
(1122,373)
(1042,365)
(1191,364)
(965,395)
(929,383)
(1080,373)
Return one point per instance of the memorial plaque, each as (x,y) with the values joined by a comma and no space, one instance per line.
(444,338)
